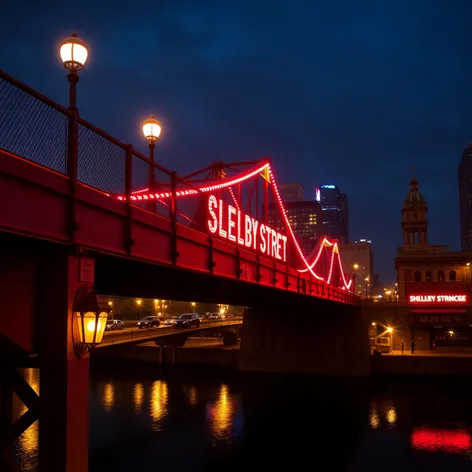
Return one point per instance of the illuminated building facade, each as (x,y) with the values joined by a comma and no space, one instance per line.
(335,211)
(433,283)
(306,220)
(291,192)
(358,260)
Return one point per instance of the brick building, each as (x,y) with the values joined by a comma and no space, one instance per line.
(434,287)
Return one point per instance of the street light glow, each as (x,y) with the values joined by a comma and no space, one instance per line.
(151,129)
(73,53)
(389,329)
(138,302)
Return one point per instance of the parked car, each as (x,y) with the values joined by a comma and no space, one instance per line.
(214,316)
(149,322)
(187,320)
(113,325)
(170,321)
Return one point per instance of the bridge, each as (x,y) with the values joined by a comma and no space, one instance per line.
(82,213)
(163,336)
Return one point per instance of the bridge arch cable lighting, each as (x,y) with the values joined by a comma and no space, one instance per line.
(255,171)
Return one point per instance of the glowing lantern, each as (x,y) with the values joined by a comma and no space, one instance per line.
(151,129)
(73,53)
(91,316)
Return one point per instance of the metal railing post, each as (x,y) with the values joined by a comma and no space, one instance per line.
(72,168)
(129,241)
(173,218)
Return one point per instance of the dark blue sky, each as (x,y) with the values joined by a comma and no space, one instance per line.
(351,93)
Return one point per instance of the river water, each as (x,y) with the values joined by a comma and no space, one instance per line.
(203,420)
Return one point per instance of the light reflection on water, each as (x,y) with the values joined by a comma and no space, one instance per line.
(132,409)
(158,403)
(27,444)
(138,396)
(108,396)
(220,414)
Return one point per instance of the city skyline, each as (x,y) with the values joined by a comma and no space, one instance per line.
(363,106)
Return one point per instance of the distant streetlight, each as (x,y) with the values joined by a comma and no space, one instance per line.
(374,323)
(193,306)
(74,53)
(389,329)
(138,304)
(355,267)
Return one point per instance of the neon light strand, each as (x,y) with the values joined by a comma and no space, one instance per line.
(233,197)
(140,195)
(287,225)
(194,191)
(331,264)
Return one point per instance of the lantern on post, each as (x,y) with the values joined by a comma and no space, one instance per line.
(90,320)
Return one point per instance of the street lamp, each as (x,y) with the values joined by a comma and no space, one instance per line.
(355,267)
(152,131)
(193,306)
(138,304)
(90,319)
(74,54)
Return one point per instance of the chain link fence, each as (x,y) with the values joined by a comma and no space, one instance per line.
(31,127)
(101,162)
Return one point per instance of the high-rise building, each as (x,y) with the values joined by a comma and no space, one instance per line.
(335,212)
(344,217)
(465,198)
(358,261)
(291,192)
(306,221)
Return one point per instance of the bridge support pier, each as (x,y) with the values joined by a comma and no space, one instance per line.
(64,379)
(318,338)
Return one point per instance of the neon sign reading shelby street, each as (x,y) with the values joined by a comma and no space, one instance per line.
(232,224)
(438,298)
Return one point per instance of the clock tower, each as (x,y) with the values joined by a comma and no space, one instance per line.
(414,222)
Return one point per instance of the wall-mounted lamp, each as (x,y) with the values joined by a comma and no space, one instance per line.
(88,322)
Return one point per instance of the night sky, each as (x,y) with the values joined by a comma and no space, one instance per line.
(353,93)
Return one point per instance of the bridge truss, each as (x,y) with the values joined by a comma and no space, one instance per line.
(37,130)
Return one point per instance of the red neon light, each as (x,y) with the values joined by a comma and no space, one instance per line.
(248,243)
(233,197)
(257,235)
(438,299)
(434,439)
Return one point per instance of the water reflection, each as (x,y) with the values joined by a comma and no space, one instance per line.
(27,443)
(441,440)
(374,418)
(191,393)
(158,405)
(221,414)
(138,396)
(391,416)
(109,396)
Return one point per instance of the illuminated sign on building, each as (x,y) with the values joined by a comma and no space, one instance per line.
(328,186)
(317,195)
(438,299)
(232,224)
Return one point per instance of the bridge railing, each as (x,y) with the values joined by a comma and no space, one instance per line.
(32,126)
(35,128)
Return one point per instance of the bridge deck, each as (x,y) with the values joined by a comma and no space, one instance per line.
(136,336)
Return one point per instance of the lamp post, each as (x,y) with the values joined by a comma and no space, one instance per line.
(152,131)
(74,54)
(138,304)
(355,267)
(90,321)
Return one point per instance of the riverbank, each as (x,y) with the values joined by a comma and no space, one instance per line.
(422,364)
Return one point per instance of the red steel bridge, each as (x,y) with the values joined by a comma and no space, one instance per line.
(66,181)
